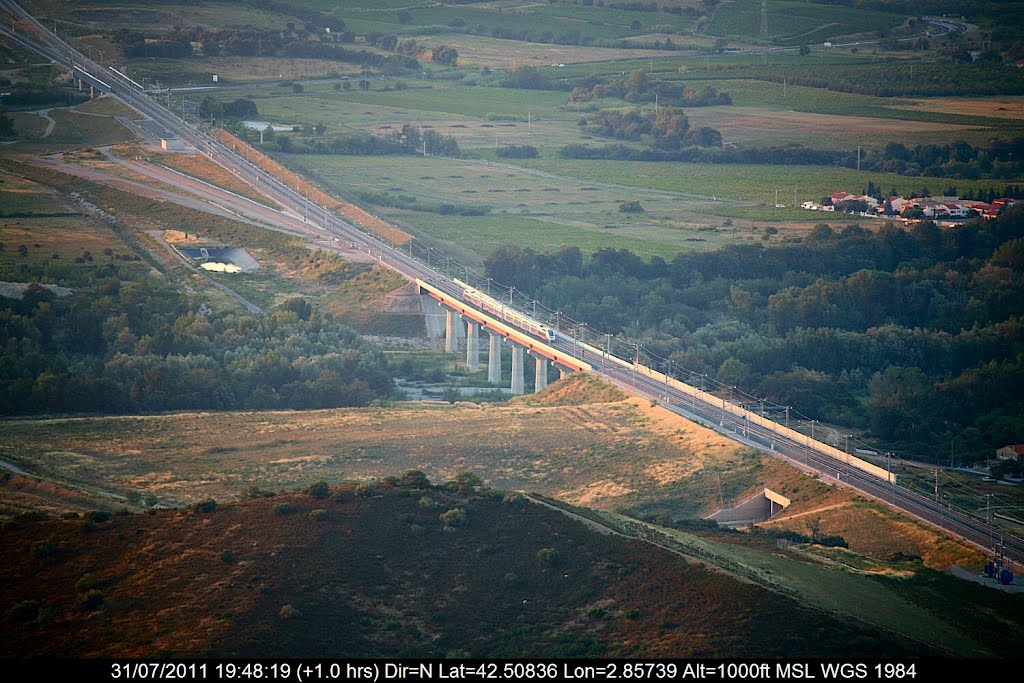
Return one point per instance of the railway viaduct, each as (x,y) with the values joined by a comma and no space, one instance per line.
(544,356)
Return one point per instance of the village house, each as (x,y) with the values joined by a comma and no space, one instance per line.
(1011,452)
(950,209)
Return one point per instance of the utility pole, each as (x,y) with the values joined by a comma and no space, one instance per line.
(636,359)
(988,515)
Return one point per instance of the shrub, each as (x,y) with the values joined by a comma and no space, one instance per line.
(318,515)
(465,482)
(513,498)
(284,509)
(414,479)
(631,206)
(97,516)
(203,506)
(455,517)
(227,556)
(366,490)
(85,583)
(91,600)
(549,557)
(256,492)
(43,550)
(319,490)
(518,152)
(24,611)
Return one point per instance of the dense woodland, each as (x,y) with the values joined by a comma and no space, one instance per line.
(126,343)
(116,347)
(915,335)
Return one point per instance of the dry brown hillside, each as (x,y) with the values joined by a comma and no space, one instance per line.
(403,570)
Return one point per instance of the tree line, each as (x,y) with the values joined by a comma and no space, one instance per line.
(637,87)
(898,79)
(407,140)
(914,335)
(255,42)
(668,129)
(1001,160)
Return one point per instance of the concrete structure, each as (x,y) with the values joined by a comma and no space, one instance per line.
(497,329)
(518,379)
(494,359)
(173,145)
(758,508)
(451,337)
(472,345)
(540,373)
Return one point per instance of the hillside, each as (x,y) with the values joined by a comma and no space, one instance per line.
(367,573)
(611,454)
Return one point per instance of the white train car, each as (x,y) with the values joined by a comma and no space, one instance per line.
(505,313)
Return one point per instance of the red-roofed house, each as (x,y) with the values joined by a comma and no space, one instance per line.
(1011,452)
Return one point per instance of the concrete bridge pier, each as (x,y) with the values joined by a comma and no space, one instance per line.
(473,345)
(518,380)
(563,371)
(451,338)
(494,359)
(540,372)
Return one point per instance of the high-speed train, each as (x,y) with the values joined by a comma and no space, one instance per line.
(504,313)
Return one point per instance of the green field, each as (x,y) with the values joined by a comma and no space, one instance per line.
(545,26)
(137,15)
(796,22)
(762,114)
(744,182)
(321,103)
(533,209)
(28,126)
